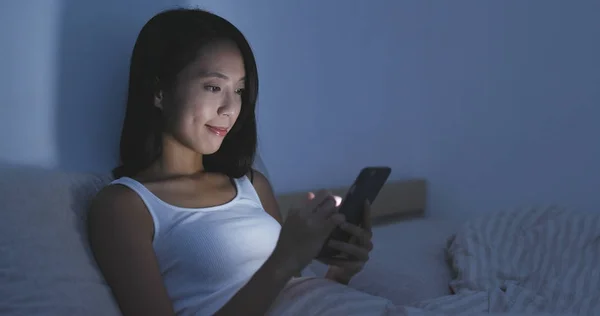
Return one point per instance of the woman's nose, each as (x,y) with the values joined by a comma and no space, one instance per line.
(227,107)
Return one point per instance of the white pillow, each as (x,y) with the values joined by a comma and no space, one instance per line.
(46,267)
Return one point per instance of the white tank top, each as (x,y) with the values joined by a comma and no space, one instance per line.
(207,254)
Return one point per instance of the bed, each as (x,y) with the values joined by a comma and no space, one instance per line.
(46,267)
(542,260)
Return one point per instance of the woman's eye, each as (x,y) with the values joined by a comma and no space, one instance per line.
(212,88)
(240,91)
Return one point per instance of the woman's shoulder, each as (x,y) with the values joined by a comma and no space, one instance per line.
(119,206)
(265,194)
(116,195)
(257,177)
(261,183)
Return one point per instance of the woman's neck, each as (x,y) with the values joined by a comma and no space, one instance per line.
(176,160)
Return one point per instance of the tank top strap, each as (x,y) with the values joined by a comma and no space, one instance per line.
(147,197)
(134,185)
(246,189)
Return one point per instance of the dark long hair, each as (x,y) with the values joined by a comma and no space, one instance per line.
(167,43)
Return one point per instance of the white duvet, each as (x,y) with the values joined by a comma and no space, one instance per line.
(542,261)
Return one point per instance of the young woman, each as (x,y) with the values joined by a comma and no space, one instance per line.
(188,227)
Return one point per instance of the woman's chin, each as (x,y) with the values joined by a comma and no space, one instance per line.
(209,152)
(209,149)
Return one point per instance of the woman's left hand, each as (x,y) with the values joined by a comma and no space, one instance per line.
(358,248)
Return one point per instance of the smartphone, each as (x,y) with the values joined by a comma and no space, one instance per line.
(366,187)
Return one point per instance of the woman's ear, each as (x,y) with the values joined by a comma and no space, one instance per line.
(158,96)
(158,100)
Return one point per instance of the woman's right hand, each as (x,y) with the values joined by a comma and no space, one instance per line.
(306,229)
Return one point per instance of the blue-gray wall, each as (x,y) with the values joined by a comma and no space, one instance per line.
(496,103)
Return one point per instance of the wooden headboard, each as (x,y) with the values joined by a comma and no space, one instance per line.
(397,199)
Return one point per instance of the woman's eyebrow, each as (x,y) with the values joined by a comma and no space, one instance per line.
(215,74)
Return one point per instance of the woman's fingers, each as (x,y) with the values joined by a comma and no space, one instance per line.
(317,198)
(362,236)
(320,200)
(323,205)
(342,263)
(360,253)
(337,219)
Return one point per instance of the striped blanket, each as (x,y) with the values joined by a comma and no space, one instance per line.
(538,260)
(542,261)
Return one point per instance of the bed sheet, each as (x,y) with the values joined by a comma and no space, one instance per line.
(408,261)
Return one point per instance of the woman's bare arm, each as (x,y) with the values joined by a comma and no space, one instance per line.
(268,200)
(120,232)
(256,297)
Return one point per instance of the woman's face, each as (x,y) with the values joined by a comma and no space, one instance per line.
(206,100)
